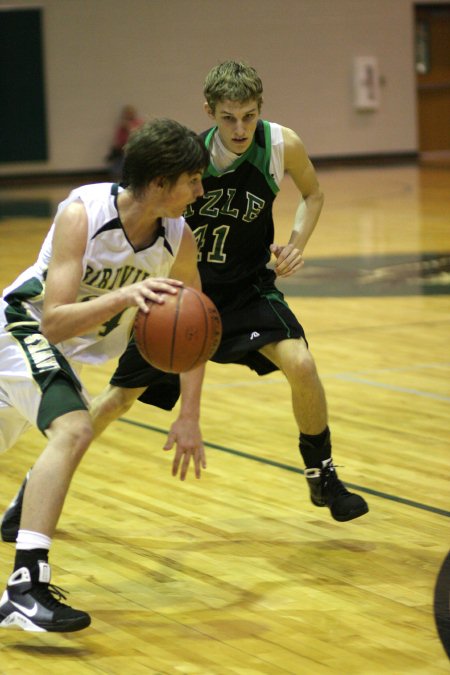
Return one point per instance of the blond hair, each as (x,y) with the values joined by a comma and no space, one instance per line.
(232,81)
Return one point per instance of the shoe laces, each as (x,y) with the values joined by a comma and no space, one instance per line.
(332,482)
(50,595)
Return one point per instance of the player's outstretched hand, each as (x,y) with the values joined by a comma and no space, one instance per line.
(185,435)
(288,259)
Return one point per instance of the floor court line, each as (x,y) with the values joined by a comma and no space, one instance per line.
(294,469)
(392,387)
(349,377)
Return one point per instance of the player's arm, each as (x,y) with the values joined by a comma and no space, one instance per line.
(185,431)
(185,264)
(298,165)
(63,317)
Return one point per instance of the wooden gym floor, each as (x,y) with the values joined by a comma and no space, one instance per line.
(238,573)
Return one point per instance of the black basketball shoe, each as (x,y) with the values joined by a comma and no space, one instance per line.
(31,603)
(9,527)
(327,490)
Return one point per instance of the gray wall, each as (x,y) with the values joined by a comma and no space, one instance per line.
(154,54)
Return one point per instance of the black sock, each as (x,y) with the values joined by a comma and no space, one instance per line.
(29,558)
(315,449)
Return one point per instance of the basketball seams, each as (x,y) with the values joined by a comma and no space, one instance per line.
(180,296)
(138,330)
(206,332)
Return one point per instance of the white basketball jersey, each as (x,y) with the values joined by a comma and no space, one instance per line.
(109,263)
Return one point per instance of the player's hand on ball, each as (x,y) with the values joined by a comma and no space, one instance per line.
(185,435)
(150,290)
(288,259)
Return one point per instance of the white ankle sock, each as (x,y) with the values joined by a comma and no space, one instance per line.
(27,540)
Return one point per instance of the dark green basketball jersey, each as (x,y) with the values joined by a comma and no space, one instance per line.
(233,222)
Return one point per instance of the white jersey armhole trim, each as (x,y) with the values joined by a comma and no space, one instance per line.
(277,154)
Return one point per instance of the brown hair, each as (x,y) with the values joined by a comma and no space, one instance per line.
(162,148)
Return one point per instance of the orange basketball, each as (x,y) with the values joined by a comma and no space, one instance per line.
(179,334)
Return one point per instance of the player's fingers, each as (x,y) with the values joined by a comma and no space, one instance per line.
(285,254)
(168,445)
(293,267)
(185,465)
(201,465)
(155,291)
(289,259)
(141,297)
(142,302)
(175,464)
(162,285)
(275,249)
(169,281)
(198,463)
(281,265)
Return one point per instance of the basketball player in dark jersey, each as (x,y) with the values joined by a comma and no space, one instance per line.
(234,228)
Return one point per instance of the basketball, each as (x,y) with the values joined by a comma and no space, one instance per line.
(179,334)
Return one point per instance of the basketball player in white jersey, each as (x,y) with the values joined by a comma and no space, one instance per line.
(109,250)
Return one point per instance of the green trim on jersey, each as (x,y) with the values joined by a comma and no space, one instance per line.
(52,374)
(15,313)
(274,296)
(58,400)
(259,157)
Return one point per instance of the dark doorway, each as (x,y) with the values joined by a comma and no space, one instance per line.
(23,129)
(432,25)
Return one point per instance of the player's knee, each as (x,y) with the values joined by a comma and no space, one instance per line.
(74,433)
(81,436)
(118,401)
(302,367)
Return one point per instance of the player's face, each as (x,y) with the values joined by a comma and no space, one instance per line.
(236,123)
(185,191)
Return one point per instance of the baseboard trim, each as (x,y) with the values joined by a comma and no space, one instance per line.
(376,159)
(99,175)
(55,178)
